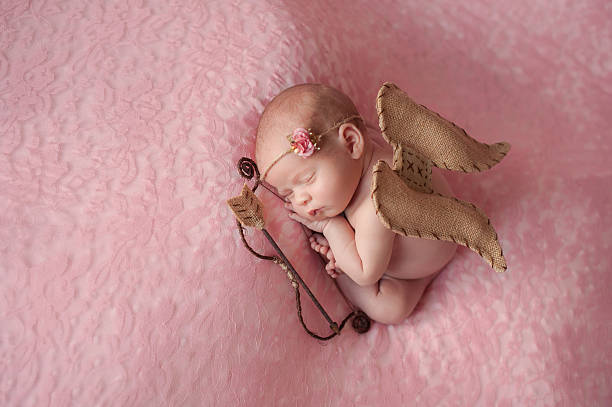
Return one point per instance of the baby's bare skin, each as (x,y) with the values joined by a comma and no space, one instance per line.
(381,272)
(413,262)
(411,258)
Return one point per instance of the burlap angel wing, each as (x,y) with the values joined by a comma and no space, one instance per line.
(403,196)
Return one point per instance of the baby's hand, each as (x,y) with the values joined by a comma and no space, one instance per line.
(314,225)
(320,244)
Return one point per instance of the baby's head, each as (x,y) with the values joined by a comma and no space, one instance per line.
(321,184)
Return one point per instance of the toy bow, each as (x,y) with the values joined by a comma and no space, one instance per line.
(248,210)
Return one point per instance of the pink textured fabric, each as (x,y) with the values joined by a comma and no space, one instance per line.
(123,280)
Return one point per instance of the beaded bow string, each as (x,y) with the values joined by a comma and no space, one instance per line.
(248,210)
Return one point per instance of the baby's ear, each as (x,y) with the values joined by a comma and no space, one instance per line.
(352,139)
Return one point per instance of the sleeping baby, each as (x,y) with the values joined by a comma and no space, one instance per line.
(314,148)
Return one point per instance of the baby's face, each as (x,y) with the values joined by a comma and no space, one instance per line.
(320,186)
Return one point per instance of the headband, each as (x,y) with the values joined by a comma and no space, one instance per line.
(304,143)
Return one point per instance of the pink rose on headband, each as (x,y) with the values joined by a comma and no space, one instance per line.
(301,142)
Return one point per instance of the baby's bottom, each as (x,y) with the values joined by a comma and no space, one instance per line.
(389,301)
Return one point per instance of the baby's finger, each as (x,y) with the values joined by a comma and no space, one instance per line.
(321,240)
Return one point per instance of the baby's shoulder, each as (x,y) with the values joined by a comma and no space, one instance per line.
(361,211)
(363,217)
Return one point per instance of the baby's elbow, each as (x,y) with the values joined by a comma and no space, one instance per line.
(363,282)
(369,277)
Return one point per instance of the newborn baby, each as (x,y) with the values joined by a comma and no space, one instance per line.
(325,178)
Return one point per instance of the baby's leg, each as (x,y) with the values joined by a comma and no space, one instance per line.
(389,301)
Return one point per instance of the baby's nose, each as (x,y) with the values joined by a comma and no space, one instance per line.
(303,199)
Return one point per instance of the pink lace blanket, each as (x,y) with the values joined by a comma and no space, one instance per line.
(123,281)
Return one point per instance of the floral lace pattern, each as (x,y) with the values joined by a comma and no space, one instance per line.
(124,282)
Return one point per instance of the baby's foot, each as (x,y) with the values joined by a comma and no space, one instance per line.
(319,243)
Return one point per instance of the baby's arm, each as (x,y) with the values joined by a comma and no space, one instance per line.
(362,254)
